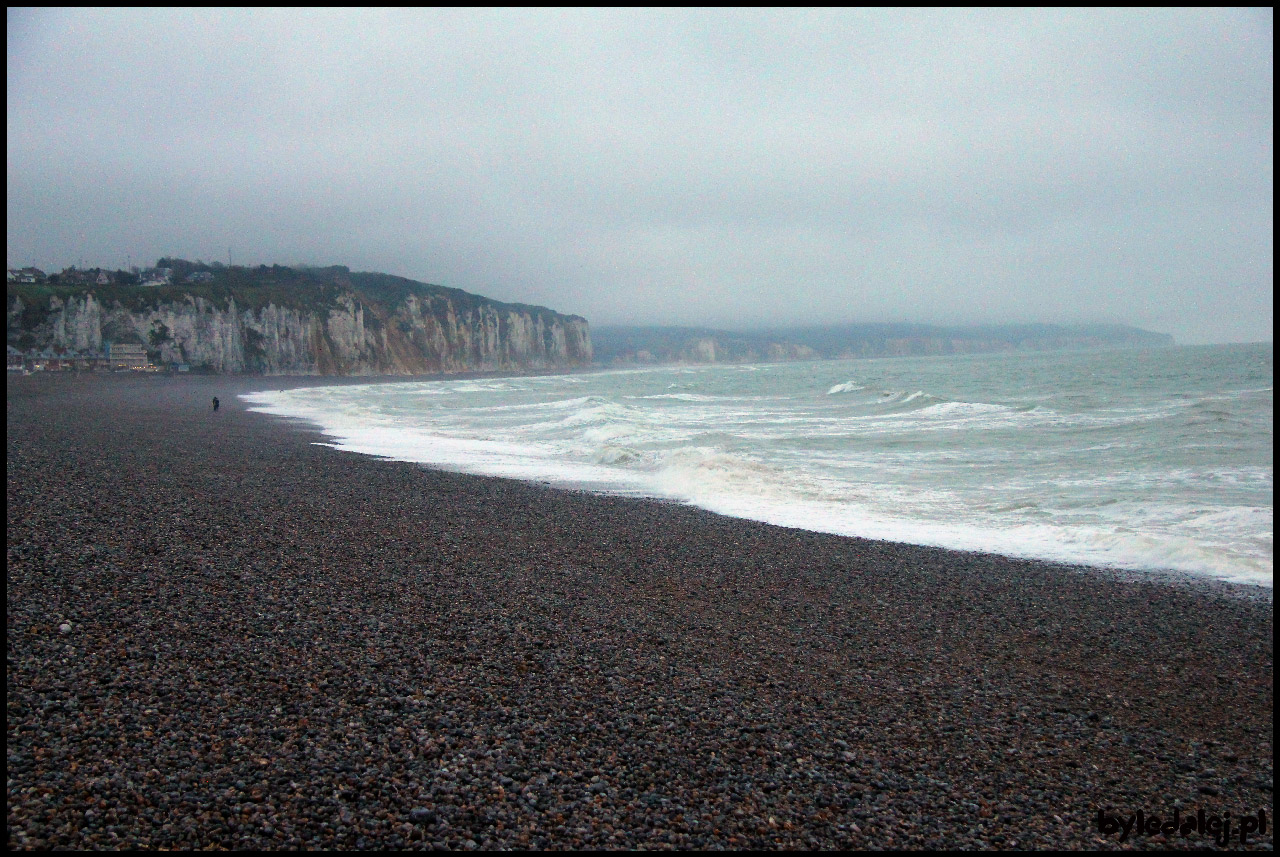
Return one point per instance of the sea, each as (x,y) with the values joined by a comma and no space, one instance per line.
(1152,460)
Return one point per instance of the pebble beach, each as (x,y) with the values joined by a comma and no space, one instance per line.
(224,634)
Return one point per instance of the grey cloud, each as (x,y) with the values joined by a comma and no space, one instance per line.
(692,166)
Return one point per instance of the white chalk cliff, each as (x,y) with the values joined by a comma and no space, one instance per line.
(432,330)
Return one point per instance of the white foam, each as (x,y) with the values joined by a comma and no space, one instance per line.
(1083,545)
(477,386)
(681,397)
(880,465)
(602,413)
(954,409)
(553,405)
(481,457)
(609,432)
(702,475)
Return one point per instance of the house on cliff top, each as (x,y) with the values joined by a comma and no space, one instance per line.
(25,275)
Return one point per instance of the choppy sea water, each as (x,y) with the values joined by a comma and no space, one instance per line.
(1155,459)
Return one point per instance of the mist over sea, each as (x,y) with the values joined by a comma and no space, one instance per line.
(1155,459)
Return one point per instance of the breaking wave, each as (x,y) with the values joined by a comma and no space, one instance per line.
(1089,467)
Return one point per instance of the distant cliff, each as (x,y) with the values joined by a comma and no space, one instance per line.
(278,321)
(621,346)
(640,345)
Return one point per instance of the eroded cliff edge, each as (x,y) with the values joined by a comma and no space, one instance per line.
(279,321)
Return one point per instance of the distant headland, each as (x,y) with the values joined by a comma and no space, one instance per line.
(623,346)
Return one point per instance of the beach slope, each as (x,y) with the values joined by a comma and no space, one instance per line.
(223,634)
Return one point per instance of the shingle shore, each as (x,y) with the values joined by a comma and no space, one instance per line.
(273,644)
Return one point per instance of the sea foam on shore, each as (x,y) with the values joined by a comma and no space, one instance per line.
(1164,466)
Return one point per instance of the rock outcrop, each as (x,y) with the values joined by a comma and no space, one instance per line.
(343,331)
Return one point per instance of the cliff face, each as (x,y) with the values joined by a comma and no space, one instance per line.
(712,349)
(625,346)
(349,335)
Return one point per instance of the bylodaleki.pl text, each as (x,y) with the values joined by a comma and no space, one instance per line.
(1221,827)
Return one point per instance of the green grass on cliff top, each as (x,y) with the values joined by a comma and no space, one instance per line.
(312,289)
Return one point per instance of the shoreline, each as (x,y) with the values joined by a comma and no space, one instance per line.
(276,644)
(1169,576)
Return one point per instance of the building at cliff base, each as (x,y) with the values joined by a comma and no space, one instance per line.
(129,356)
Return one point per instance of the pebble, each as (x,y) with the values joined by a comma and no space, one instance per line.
(278,645)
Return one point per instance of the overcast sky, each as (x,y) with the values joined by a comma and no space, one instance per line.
(726,168)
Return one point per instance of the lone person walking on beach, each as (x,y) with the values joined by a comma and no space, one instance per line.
(215,403)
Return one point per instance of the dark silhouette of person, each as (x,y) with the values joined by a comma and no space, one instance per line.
(215,403)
